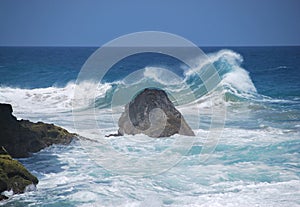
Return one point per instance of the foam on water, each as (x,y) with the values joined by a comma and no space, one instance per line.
(255,162)
(242,174)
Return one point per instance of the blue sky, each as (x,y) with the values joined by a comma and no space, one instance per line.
(93,23)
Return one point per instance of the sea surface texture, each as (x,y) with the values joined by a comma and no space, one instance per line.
(254,161)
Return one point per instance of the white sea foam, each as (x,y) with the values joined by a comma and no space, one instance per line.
(229,178)
(250,166)
(45,99)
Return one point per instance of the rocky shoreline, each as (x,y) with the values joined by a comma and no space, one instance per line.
(22,137)
(151,112)
(19,139)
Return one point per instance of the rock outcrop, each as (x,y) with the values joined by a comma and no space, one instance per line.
(152,113)
(22,137)
(13,175)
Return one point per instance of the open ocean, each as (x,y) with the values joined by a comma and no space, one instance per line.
(256,161)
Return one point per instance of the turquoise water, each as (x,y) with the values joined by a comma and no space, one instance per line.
(255,160)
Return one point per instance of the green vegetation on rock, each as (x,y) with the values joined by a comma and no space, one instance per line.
(22,137)
(13,175)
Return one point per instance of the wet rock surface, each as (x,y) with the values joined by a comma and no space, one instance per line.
(13,175)
(22,137)
(152,113)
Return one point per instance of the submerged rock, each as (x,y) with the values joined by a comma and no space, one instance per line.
(152,113)
(13,175)
(22,137)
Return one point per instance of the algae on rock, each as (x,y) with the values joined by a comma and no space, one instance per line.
(13,175)
(22,137)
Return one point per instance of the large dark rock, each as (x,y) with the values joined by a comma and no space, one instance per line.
(22,137)
(152,113)
(13,175)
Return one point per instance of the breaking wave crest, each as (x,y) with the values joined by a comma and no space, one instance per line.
(235,83)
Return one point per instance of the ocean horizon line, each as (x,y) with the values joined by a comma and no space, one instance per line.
(94,46)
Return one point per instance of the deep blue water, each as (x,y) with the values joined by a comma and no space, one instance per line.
(274,70)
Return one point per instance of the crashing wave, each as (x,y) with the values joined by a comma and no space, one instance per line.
(234,81)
